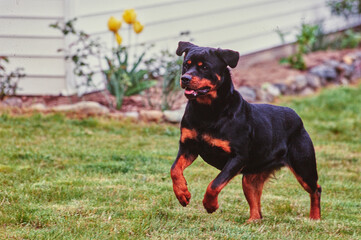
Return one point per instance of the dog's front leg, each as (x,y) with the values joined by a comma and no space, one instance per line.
(230,170)
(180,189)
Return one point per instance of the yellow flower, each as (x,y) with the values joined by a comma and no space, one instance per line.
(118,38)
(138,27)
(129,16)
(114,24)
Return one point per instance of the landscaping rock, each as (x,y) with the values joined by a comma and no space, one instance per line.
(151,115)
(134,115)
(38,107)
(307,91)
(345,69)
(300,82)
(272,90)
(116,115)
(348,59)
(313,81)
(324,71)
(351,57)
(344,81)
(174,116)
(264,96)
(249,94)
(86,107)
(282,87)
(12,102)
(332,63)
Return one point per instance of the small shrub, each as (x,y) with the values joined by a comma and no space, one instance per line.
(122,81)
(80,51)
(345,8)
(169,66)
(312,38)
(9,81)
(351,39)
(305,42)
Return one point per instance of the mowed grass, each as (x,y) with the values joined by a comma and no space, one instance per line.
(105,179)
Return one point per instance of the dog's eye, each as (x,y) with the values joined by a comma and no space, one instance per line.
(204,67)
(187,64)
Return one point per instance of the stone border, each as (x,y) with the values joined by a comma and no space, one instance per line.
(342,72)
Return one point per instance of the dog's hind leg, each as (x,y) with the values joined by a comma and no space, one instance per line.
(303,166)
(252,185)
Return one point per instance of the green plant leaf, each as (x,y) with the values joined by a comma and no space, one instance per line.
(132,90)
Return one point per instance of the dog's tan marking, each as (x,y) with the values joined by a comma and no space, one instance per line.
(223,144)
(200,64)
(207,99)
(218,77)
(188,134)
(189,62)
(179,183)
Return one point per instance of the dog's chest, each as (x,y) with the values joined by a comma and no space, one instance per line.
(215,150)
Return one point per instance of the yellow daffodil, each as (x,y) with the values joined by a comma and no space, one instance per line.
(118,38)
(138,27)
(129,16)
(114,24)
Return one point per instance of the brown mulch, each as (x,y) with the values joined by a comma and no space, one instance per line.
(254,75)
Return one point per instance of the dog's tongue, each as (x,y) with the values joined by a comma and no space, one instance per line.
(190,91)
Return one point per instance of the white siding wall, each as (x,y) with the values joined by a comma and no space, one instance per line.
(245,26)
(26,38)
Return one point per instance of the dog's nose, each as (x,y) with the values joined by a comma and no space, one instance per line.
(186,79)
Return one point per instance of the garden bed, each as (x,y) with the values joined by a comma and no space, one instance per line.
(260,82)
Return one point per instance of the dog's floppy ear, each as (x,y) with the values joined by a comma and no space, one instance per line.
(230,57)
(184,47)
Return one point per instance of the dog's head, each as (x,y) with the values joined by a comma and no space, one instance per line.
(203,69)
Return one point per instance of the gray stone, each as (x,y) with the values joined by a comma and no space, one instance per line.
(313,81)
(133,115)
(86,107)
(174,116)
(116,115)
(324,71)
(345,69)
(249,94)
(38,107)
(307,91)
(344,81)
(273,90)
(13,102)
(300,82)
(264,96)
(282,87)
(332,63)
(151,115)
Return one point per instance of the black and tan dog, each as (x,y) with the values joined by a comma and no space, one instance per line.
(235,136)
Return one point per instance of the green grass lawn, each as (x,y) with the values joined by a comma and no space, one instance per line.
(104,179)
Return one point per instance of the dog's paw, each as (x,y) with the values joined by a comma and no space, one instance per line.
(183,195)
(210,204)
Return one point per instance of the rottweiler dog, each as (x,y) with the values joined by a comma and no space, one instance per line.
(235,136)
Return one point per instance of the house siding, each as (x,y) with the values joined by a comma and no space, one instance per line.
(246,26)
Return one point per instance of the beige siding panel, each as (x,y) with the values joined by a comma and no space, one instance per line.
(32,8)
(31,47)
(40,86)
(39,66)
(16,27)
(96,6)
